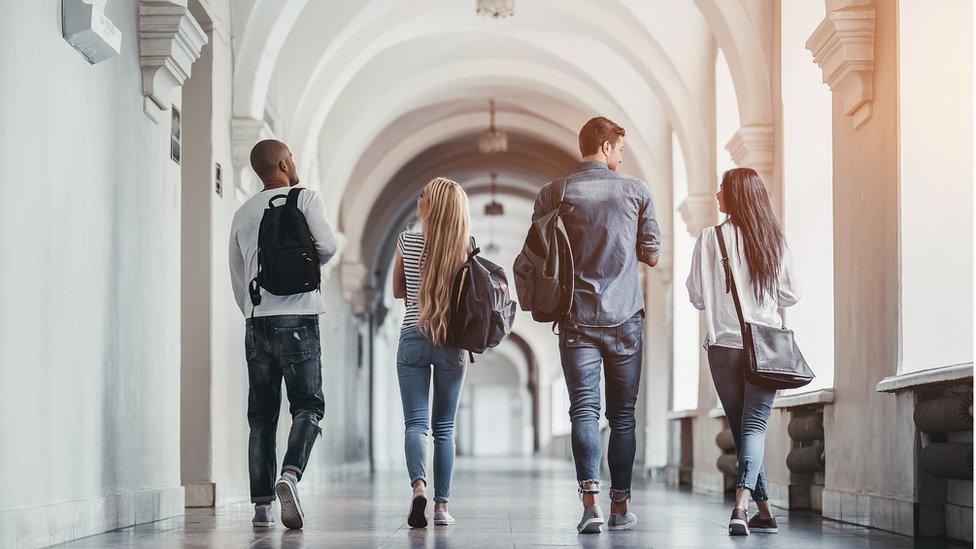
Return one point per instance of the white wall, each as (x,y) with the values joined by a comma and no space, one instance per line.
(935,161)
(807,189)
(90,287)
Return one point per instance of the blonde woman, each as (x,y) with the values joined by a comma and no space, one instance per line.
(425,265)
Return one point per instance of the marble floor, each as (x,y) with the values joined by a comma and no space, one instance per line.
(489,502)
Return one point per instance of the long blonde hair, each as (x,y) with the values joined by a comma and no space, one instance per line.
(445,231)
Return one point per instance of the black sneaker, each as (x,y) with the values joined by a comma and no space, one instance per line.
(739,523)
(766,526)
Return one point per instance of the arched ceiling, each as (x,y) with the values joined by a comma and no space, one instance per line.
(375,97)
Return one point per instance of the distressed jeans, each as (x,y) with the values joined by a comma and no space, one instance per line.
(747,409)
(419,361)
(619,349)
(282,347)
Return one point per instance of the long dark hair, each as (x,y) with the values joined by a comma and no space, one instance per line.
(747,205)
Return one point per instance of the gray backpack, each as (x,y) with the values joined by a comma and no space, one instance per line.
(481,310)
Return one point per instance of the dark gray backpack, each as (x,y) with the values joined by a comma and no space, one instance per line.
(481,310)
(544,270)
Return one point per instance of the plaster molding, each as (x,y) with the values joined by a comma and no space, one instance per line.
(921,378)
(698,212)
(244,134)
(170,40)
(820,397)
(682,414)
(354,278)
(843,47)
(752,147)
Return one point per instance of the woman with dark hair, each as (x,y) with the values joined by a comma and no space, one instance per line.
(760,263)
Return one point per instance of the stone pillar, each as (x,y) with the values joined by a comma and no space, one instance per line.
(656,380)
(868,478)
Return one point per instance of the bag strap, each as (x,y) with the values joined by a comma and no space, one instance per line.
(730,281)
(293,197)
(560,193)
(475,250)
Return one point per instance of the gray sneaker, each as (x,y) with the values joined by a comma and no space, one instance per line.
(622,522)
(263,516)
(443,518)
(592,520)
(292,515)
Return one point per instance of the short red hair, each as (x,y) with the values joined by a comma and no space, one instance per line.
(597,131)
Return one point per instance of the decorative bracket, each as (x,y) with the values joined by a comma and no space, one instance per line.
(843,47)
(752,147)
(698,212)
(244,134)
(170,40)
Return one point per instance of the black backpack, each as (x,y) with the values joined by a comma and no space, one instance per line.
(544,278)
(288,262)
(481,310)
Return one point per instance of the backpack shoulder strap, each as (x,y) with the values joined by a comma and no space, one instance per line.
(560,192)
(293,197)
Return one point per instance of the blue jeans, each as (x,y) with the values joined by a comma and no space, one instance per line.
(620,349)
(416,358)
(747,408)
(276,347)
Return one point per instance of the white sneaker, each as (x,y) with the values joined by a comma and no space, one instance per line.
(443,518)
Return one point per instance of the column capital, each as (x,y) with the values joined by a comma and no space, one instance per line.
(752,147)
(843,47)
(698,212)
(357,292)
(244,134)
(170,40)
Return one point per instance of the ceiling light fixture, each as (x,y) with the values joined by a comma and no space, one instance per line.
(492,141)
(496,9)
(494,208)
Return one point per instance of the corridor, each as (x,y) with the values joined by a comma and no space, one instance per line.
(498,503)
(126,129)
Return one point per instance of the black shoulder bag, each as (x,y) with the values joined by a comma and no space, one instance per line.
(773,359)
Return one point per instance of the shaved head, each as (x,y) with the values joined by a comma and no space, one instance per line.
(271,160)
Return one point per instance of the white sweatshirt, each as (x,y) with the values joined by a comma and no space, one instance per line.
(706,288)
(244,253)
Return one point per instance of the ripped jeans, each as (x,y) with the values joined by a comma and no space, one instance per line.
(285,346)
(616,352)
(747,409)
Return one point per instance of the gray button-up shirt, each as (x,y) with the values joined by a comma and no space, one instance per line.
(611,228)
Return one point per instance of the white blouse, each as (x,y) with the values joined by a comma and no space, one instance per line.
(706,288)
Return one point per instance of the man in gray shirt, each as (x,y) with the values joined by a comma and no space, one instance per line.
(610,228)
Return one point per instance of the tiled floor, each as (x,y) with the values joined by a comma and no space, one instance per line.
(490,500)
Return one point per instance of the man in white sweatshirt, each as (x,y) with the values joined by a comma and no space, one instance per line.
(281,342)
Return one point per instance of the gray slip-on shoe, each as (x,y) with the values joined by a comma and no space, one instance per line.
(622,522)
(592,520)
(263,516)
(292,515)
